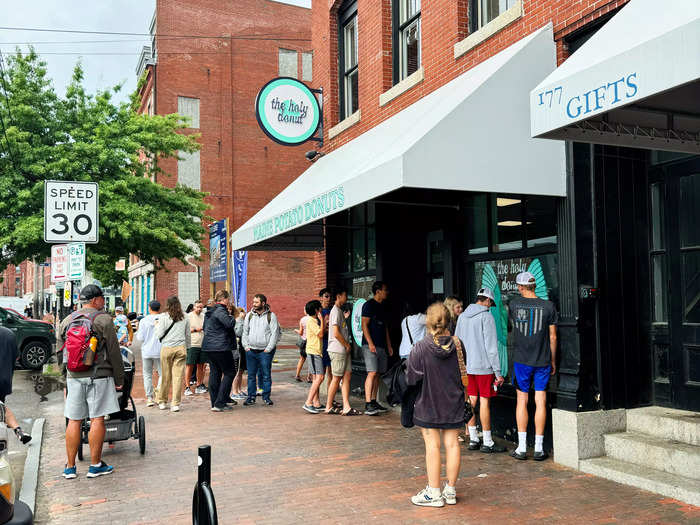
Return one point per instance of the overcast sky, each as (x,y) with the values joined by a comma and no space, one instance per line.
(107,59)
(101,71)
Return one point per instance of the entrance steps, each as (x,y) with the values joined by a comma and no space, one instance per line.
(659,452)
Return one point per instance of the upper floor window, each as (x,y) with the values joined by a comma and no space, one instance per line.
(348,82)
(187,107)
(287,63)
(483,11)
(407,53)
(307,66)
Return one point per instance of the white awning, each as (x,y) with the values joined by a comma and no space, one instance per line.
(634,83)
(470,135)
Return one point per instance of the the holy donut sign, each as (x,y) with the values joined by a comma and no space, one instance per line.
(288,111)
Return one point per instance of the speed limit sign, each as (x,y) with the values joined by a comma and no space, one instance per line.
(71,212)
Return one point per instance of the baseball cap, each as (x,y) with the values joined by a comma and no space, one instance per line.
(90,291)
(154,305)
(525,278)
(119,309)
(486,292)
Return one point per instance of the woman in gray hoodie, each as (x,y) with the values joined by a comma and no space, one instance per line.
(439,407)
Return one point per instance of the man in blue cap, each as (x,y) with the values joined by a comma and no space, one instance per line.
(533,322)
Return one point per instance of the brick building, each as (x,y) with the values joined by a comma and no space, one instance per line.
(434,114)
(207,61)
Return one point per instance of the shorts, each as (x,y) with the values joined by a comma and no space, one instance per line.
(378,362)
(524,374)
(316,364)
(302,347)
(326,359)
(481,385)
(195,356)
(90,398)
(340,363)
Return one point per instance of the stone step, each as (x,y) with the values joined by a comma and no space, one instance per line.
(669,485)
(666,423)
(650,451)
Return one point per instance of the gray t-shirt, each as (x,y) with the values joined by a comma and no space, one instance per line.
(530,320)
(337,318)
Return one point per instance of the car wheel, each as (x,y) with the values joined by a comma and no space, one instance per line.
(34,355)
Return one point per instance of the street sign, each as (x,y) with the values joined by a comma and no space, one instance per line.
(67,295)
(76,255)
(59,263)
(71,211)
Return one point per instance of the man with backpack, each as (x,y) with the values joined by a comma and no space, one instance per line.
(261,332)
(94,371)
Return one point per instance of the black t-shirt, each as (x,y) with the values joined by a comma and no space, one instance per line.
(326,312)
(377,323)
(530,320)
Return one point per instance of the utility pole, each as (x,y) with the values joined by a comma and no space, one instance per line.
(35,308)
(41,294)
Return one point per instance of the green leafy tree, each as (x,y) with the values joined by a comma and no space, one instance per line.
(85,137)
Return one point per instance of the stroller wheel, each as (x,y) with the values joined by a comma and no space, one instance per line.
(142,435)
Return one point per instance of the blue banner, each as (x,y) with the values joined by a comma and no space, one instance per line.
(218,249)
(240,278)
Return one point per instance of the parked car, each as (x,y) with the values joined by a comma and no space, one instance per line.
(35,340)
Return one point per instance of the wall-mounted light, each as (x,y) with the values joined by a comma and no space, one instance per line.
(313,155)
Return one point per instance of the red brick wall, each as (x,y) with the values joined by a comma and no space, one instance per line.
(444,23)
(240,167)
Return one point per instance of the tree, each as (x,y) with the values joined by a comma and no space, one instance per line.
(86,137)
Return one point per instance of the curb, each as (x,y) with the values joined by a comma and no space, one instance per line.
(31,465)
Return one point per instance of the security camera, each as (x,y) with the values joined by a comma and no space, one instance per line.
(313,155)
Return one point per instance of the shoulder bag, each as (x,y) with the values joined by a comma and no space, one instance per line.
(468,410)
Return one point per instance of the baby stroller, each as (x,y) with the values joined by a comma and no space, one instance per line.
(126,423)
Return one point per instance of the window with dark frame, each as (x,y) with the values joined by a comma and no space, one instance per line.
(360,251)
(348,59)
(406,38)
(481,12)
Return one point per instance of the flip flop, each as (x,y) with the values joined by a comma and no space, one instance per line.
(351,412)
(334,410)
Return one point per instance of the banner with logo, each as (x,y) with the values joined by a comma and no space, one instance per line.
(240,278)
(217,252)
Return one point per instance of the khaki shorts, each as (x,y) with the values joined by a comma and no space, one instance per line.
(88,398)
(340,363)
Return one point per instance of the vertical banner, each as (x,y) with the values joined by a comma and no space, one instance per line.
(218,247)
(240,278)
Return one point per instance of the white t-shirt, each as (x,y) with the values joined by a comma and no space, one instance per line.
(337,318)
(416,324)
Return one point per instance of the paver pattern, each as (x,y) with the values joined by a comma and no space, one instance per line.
(281,465)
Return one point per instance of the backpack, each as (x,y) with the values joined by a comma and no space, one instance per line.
(78,349)
(278,333)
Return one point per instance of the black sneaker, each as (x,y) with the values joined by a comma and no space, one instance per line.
(495,448)
(268,402)
(231,401)
(379,407)
(522,456)
(370,409)
(249,401)
(474,445)
(540,456)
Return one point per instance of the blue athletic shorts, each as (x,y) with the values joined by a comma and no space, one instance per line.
(525,373)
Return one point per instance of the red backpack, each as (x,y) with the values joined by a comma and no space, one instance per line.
(80,343)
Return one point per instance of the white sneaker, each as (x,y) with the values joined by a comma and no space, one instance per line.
(449,494)
(162,406)
(428,497)
(188,392)
(175,408)
(150,402)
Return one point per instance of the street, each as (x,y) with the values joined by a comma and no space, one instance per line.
(281,465)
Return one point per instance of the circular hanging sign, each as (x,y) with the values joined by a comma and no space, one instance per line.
(287,111)
(357,321)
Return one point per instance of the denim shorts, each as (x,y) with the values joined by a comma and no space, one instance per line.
(525,373)
(316,364)
(378,362)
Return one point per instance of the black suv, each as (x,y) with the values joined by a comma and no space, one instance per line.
(35,339)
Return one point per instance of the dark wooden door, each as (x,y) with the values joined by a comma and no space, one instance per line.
(674,198)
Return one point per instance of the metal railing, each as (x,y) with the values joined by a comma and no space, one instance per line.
(203,503)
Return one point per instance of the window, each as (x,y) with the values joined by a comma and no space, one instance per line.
(188,170)
(407,51)
(287,61)
(187,107)
(348,45)
(360,250)
(483,11)
(307,66)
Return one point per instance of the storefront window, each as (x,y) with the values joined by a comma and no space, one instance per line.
(509,216)
(541,218)
(691,286)
(659,288)
(360,250)
(657,217)
(476,209)
(359,247)
(689,212)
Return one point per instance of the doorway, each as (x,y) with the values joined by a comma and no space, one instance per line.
(674,262)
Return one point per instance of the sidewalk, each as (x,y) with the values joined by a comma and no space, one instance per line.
(281,465)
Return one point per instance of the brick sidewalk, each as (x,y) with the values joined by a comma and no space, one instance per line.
(281,465)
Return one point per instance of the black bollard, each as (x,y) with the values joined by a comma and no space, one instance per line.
(203,503)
